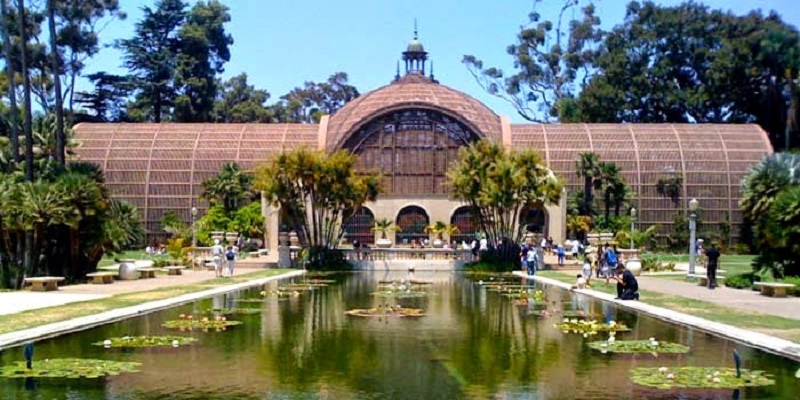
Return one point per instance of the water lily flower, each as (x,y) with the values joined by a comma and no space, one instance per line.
(603,345)
(175,343)
(671,376)
(566,320)
(663,370)
(716,373)
(107,343)
(716,380)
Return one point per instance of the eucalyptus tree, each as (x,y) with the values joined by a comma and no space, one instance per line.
(553,60)
(500,185)
(8,54)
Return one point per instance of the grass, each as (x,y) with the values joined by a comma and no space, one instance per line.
(33,318)
(785,328)
(108,259)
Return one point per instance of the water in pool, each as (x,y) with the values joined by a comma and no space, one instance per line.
(472,344)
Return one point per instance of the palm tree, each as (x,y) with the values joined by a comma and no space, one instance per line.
(440,229)
(385,226)
(765,180)
(613,187)
(230,187)
(588,167)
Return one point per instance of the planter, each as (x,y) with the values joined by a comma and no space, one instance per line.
(627,254)
(593,238)
(293,239)
(438,243)
(383,243)
(127,270)
(634,265)
(231,237)
(217,235)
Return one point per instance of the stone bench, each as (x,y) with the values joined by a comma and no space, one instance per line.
(174,270)
(773,289)
(147,273)
(210,266)
(102,278)
(44,283)
(254,254)
(703,279)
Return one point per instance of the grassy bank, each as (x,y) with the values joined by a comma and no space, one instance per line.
(784,328)
(43,316)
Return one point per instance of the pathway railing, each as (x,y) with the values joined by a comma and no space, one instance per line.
(380,254)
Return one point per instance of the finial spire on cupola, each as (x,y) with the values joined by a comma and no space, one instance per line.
(415,55)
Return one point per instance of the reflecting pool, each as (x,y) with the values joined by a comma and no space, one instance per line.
(473,343)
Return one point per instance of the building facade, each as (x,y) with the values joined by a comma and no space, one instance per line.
(411,130)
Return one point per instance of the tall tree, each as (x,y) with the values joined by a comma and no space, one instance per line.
(151,56)
(26,90)
(689,63)
(203,51)
(56,65)
(309,103)
(237,101)
(8,54)
(549,56)
(108,99)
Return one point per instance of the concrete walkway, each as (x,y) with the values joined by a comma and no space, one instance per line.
(19,301)
(748,300)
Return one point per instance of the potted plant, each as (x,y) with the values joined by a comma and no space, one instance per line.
(440,229)
(384,226)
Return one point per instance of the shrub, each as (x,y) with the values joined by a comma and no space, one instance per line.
(795,291)
(484,266)
(741,281)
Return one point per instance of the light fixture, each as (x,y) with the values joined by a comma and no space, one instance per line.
(194,211)
(693,204)
(633,212)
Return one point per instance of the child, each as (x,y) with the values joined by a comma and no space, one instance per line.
(580,283)
(587,269)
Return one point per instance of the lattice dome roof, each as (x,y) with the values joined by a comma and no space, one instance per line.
(412,91)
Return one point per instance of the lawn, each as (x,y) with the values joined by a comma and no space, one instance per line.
(109,259)
(784,328)
(733,264)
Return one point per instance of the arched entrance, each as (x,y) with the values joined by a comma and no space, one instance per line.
(466,220)
(412,221)
(534,221)
(359,226)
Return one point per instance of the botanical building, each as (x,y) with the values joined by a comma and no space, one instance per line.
(411,130)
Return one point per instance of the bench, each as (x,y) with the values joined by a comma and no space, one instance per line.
(102,278)
(773,289)
(174,270)
(44,283)
(210,266)
(146,273)
(703,279)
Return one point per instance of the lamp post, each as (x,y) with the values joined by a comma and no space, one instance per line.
(693,205)
(633,218)
(194,234)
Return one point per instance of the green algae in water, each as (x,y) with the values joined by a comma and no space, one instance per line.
(639,346)
(146,341)
(204,324)
(69,368)
(698,377)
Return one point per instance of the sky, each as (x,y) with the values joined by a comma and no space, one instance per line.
(281,44)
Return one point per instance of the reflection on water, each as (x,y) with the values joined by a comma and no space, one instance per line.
(473,344)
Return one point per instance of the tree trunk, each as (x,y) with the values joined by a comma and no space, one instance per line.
(608,205)
(26,83)
(10,75)
(60,138)
(587,195)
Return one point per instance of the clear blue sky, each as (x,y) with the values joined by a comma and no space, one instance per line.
(281,44)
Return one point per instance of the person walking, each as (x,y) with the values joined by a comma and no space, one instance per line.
(712,256)
(230,257)
(216,255)
(532,260)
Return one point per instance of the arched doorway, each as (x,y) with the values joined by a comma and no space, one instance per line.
(534,221)
(412,221)
(359,226)
(466,220)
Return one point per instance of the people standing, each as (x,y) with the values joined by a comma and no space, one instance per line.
(216,254)
(230,257)
(561,253)
(533,260)
(587,269)
(712,254)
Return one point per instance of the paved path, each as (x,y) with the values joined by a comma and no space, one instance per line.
(19,301)
(788,307)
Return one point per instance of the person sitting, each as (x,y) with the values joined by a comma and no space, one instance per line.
(580,283)
(627,286)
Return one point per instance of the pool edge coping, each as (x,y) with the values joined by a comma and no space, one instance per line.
(49,331)
(761,341)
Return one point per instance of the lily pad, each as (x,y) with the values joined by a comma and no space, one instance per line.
(590,327)
(249,300)
(146,341)
(69,368)
(189,323)
(639,346)
(387,312)
(240,311)
(698,377)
